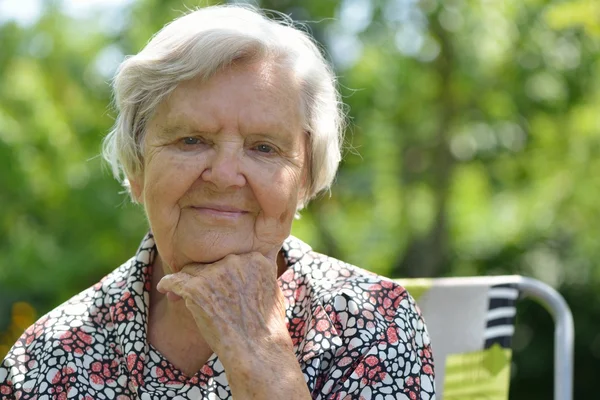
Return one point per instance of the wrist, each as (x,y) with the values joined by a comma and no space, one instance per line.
(265,373)
(249,354)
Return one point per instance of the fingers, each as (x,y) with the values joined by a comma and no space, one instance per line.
(231,271)
(173,285)
(193,269)
(173,297)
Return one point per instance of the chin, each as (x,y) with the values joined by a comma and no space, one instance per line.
(211,248)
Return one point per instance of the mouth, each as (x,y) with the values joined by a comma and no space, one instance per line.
(222,211)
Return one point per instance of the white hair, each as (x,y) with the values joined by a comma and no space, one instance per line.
(201,43)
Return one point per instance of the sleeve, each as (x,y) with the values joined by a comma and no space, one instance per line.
(6,388)
(396,364)
(23,370)
(12,372)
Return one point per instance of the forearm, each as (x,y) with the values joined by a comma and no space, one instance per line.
(266,373)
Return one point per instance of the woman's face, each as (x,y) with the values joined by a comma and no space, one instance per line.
(224,165)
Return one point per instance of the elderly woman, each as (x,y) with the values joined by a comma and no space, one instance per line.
(229,123)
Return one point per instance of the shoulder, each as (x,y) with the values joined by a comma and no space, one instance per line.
(355,298)
(365,331)
(88,311)
(332,281)
(64,338)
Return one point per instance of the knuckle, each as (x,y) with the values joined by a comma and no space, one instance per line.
(231,258)
(256,256)
(193,269)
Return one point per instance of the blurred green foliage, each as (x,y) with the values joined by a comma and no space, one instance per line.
(475,134)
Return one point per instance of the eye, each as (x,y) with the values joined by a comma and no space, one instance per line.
(264,148)
(191,140)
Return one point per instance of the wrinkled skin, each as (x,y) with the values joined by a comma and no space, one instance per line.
(240,312)
(252,309)
(224,169)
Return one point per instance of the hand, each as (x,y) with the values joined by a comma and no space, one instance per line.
(240,312)
(236,303)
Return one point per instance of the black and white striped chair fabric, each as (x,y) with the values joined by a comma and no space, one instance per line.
(500,318)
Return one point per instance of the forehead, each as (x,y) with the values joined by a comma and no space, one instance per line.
(257,97)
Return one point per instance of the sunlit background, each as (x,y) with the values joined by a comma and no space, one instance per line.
(473,149)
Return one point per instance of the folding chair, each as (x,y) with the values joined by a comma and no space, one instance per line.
(471,324)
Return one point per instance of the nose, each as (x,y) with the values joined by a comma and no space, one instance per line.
(224,168)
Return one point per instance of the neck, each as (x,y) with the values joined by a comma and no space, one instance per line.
(172,329)
(172,315)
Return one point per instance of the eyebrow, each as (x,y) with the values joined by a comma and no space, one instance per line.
(284,138)
(171,130)
(283,135)
(174,130)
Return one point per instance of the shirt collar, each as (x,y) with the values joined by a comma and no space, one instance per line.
(129,312)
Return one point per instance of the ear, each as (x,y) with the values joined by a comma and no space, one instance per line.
(136,186)
(303,188)
(306,177)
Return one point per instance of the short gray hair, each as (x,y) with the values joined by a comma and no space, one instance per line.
(201,43)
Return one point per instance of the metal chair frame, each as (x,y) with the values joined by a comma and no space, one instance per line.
(564,332)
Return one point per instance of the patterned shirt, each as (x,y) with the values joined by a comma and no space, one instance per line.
(355,335)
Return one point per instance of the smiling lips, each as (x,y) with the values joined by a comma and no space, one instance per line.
(222,211)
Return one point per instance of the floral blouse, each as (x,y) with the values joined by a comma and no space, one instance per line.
(356,335)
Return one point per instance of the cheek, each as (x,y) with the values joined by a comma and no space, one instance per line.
(277,191)
(168,178)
